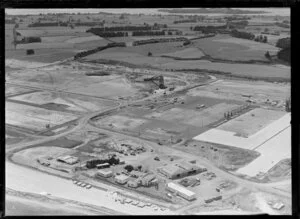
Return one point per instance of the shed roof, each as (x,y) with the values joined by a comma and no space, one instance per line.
(180,189)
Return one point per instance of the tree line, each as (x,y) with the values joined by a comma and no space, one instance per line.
(148,33)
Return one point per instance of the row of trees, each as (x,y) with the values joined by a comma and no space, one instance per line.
(209,29)
(185,21)
(98,49)
(262,39)
(123,28)
(148,33)
(112,34)
(161,40)
(93,163)
(284,25)
(50,24)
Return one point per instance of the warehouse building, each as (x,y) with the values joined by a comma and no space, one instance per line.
(148,180)
(181,191)
(181,169)
(104,173)
(68,159)
(122,179)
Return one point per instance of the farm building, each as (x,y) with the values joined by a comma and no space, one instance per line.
(122,179)
(68,159)
(104,173)
(181,169)
(181,191)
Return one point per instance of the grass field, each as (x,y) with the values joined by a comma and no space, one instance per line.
(186,53)
(224,47)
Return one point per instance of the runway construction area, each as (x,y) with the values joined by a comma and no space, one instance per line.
(34,118)
(270,135)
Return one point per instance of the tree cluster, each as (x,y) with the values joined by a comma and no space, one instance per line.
(52,24)
(284,43)
(161,40)
(88,24)
(285,54)
(209,29)
(148,33)
(243,35)
(262,39)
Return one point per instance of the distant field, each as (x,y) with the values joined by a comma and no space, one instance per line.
(186,53)
(251,70)
(225,47)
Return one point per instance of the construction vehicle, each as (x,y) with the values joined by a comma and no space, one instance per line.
(160,83)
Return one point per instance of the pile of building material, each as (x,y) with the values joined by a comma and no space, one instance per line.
(213,199)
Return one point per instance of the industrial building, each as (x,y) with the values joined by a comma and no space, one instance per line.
(104,173)
(68,159)
(122,179)
(102,165)
(182,169)
(181,191)
(148,180)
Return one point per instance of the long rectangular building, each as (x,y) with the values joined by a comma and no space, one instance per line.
(181,191)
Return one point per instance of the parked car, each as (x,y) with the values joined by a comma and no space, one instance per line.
(88,187)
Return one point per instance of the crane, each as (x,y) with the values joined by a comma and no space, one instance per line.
(160,79)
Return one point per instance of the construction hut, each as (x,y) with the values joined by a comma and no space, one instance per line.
(133,183)
(104,173)
(122,179)
(181,191)
(137,174)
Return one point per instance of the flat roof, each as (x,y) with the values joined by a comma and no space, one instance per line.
(104,171)
(180,189)
(121,177)
(172,169)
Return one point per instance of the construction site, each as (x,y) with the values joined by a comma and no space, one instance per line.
(114,126)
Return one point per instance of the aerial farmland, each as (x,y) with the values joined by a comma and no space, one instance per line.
(148,112)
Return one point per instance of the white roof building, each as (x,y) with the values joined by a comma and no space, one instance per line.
(181,191)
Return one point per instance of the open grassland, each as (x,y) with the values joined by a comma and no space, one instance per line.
(251,122)
(32,117)
(186,53)
(271,72)
(228,48)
